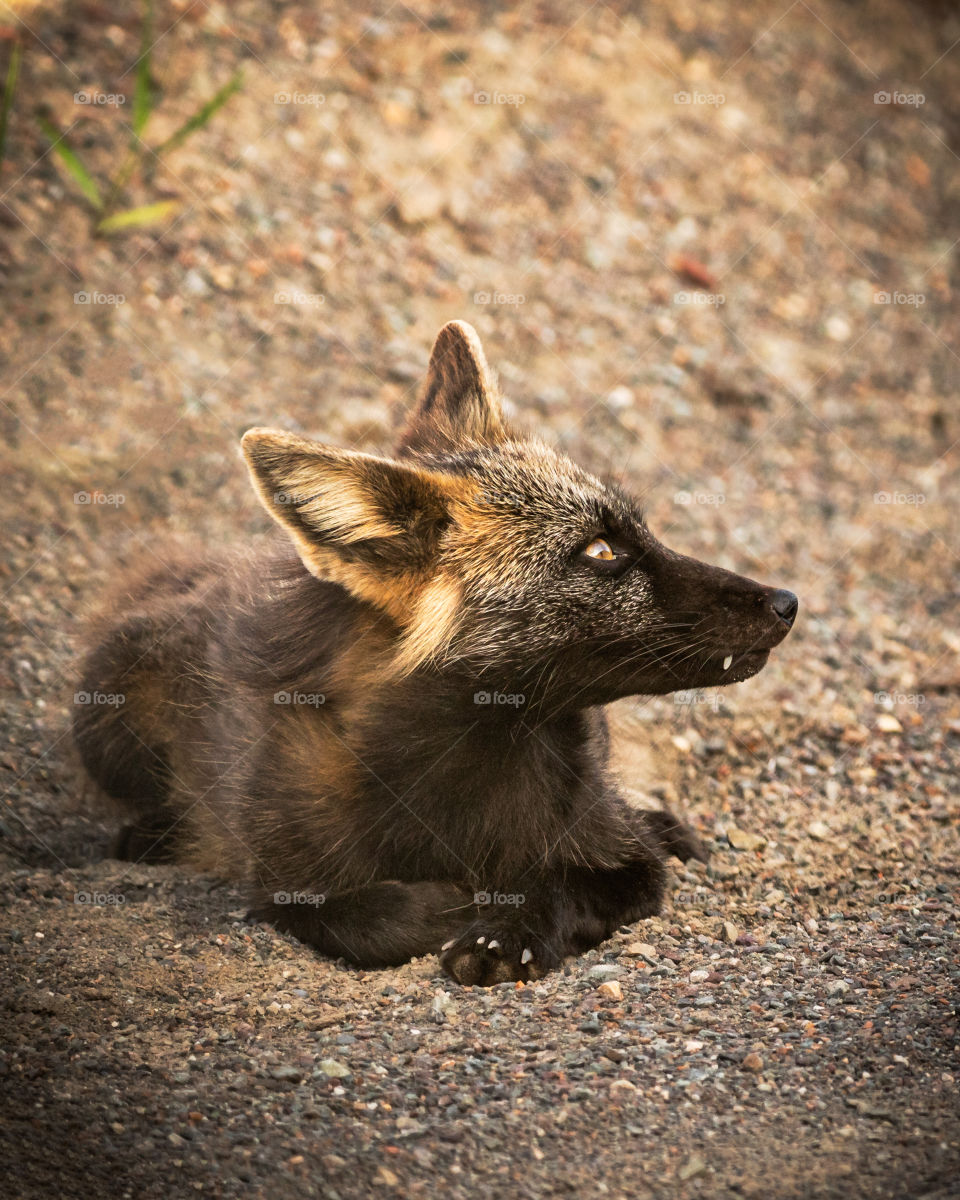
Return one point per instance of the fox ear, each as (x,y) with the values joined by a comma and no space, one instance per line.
(460,402)
(369,523)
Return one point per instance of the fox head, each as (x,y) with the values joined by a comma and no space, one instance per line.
(505,564)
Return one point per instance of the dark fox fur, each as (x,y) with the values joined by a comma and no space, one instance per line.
(393,735)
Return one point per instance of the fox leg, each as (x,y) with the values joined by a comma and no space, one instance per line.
(668,833)
(150,840)
(562,912)
(569,911)
(378,925)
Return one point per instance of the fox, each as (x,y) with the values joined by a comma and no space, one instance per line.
(390,730)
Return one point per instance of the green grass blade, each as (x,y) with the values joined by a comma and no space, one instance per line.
(143,88)
(146,214)
(81,176)
(13,70)
(202,115)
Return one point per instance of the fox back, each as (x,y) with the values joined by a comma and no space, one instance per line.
(398,717)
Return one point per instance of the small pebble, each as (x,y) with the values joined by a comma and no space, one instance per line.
(334,1069)
(695,1165)
(641,950)
(604,971)
(740,839)
(623,1086)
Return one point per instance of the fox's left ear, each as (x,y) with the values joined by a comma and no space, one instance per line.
(460,402)
(370,523)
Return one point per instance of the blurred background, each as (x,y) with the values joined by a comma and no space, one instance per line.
(712,249)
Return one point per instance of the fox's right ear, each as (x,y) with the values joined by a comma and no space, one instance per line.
(460,402)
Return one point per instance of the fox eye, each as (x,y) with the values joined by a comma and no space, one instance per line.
(600,549)
(607,555)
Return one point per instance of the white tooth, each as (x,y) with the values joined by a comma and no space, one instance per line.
(727,661)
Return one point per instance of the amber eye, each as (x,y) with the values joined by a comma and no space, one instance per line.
(598,548)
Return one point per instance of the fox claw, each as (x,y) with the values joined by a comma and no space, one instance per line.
(478,959)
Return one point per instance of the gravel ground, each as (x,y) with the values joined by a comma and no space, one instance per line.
(675,227)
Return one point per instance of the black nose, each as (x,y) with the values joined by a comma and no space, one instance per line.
(785,605)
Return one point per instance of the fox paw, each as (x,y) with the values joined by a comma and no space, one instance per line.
(485,955)
(674,837)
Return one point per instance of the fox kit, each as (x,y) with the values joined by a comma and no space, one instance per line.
(393,735)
